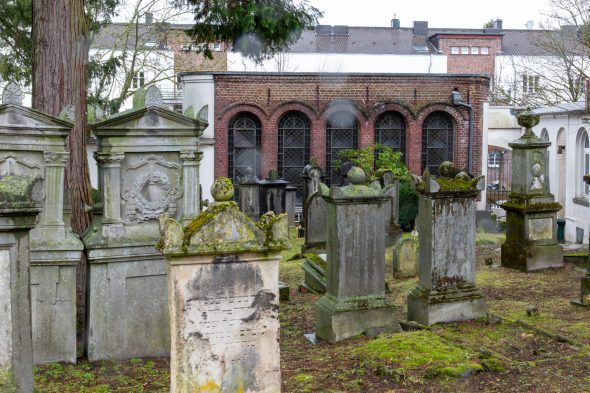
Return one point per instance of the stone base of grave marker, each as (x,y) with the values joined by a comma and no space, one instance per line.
(338,319)
(584,299)
(459,304)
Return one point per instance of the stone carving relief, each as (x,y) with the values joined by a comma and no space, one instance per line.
(153,97)
(151,188)
(537,172)
(12,94)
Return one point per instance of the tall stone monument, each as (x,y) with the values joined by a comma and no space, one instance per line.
(584,299)
(391,188)
(148,165)
(20,201)
(223,297)
(355,300)
(34,143)
(446,291)
(531,210)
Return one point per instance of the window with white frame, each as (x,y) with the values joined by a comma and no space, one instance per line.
(464,50)
(484,50)
(138,80)
(217,47)
(586,156)
(582,163)
(530,83)
(474,50)
(454,50)
(494,158)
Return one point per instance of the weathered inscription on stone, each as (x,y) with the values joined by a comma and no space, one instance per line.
(6,316)
(221,313)
(541,229)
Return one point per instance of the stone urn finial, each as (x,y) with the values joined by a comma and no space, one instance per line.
(222,189)
(528,120)
(356,176)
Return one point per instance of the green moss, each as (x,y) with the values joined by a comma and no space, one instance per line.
(16,191)
(461,370)
(576,254)
(203,219)
(447,184)
(418,349)
(315,258)
(493,364)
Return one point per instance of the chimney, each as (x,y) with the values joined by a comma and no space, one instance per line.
(498,24)
(420,28)
(395,22)
(149,18)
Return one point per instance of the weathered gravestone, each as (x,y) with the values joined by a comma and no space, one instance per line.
(20,201)
(249,194)
(314,209)
(446,222)
(584,299)
(531,210)
(148,163)
(405,257)
(390,186)
(355,300)
(34,144)
(223,297)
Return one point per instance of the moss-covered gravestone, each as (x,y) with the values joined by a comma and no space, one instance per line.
(446,291)
(148,165)
(20,197)
(355,300)
(223,297)
(531,210)
(34,144)
(584,299)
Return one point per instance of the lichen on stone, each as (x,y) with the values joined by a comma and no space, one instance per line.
(275,228)
(195,225)
(16,191)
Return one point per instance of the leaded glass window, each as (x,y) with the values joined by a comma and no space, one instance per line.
(390,131)
(243,145)
(341,134)
(293,149)
(437,141)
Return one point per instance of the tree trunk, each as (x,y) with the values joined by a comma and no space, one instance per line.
(60,54)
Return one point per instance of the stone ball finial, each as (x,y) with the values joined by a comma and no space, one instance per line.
(356,176)
(222,189)
(447,169)
(528,120)
(12,94)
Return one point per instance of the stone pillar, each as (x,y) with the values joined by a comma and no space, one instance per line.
(223,297)
(355,300)
(18,213)
(190,182)
(55,250)
(290,202)
(531,210)
(390,186)
(109,167)
(446,291)
(584,299)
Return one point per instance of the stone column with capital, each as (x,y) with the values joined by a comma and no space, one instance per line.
(190,180)
(531,210)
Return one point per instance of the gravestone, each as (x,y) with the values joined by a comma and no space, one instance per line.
(584,299)
(249,194)
(223,297)
(446,290)
(21,198)
(355,300)
(273,194)
(148,162)
(290,203)
(33,143)
(531,210)
(391,186)
(315,216)
(405,257)
(312,177)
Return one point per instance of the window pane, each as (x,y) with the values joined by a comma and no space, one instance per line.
(341,133)
(437,141)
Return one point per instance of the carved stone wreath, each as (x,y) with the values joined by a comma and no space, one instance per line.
(149,196)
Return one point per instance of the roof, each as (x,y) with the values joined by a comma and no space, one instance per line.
(347,39)
(565,108)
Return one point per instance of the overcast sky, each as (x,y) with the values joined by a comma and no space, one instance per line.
(439,13)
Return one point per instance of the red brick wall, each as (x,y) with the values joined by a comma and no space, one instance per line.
(270,96)
(470,64)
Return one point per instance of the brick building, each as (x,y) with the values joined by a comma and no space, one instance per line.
(279,120)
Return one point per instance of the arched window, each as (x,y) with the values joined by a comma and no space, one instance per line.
(437,141)
(243,145)
(341,134)
(293,148)
(390,131)
(544,134)
(583,163)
